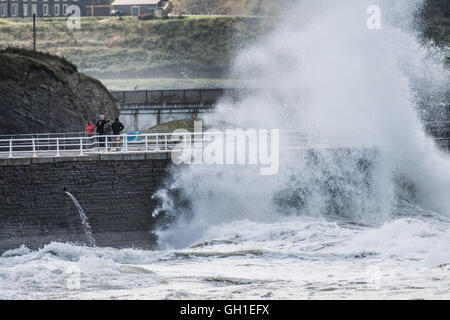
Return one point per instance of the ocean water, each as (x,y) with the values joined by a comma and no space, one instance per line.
(294,258)
(367,222)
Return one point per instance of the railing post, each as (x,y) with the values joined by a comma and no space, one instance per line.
(125,143)
(34,148)
(146,143)
(165,142)
(57,148)
(157,142)
(106,143)
(81,146)
(10,148)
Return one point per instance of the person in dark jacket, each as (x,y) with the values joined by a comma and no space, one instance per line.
(117,128)
(100,125)
(100,130)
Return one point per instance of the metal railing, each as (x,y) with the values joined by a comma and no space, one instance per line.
(80,144)
(211,95)
(56,146)
(43,135)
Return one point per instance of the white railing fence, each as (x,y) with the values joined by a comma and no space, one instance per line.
(55,146)
(79,144)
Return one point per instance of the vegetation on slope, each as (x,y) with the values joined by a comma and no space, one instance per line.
(227,7)
(195,47)
(41,92)
(176,48)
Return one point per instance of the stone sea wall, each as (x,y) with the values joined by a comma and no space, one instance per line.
(115,191)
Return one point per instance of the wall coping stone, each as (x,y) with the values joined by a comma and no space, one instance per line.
(91,157)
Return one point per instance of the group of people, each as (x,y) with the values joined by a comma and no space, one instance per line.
(105,128)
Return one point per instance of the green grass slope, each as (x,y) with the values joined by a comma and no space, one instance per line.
(195,47)
(227,7)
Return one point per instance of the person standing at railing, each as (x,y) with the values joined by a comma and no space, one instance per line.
(90,128)
(107,130)
(90,131)
(117,128)
(100,125)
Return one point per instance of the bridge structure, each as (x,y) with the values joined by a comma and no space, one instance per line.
(141,110)
(144,109)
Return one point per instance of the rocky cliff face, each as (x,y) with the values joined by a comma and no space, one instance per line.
(40,92)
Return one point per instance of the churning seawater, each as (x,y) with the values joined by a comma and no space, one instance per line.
(366,222)
(294,258)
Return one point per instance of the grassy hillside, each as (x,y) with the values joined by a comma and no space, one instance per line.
(226,7)
(194,47)
(436,13)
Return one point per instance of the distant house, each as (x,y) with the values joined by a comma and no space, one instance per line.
(98,7)
(42,8)
(141,7)
(58,8)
